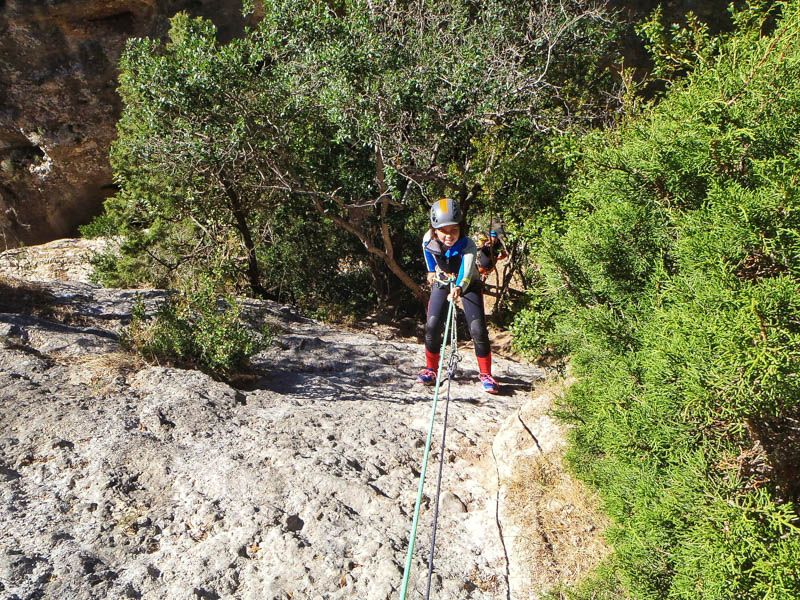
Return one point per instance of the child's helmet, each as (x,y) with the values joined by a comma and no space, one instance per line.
(445,212)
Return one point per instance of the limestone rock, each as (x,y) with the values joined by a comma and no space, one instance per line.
(59,106)
(59,260)
(122,480)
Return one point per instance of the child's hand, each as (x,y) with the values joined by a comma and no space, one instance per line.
(431,278)
(454,295)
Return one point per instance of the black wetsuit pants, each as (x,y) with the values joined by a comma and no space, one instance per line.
(472,301)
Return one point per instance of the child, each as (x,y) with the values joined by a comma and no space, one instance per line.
(490,251)
(448,250)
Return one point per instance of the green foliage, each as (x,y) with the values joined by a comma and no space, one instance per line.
(603,584)
(207,135)
(679,48)
(189,178)
(196,328)
(675,280)
(311,264)
(428,87)
(676,49)
(529,330)
(353,115)
(535,322)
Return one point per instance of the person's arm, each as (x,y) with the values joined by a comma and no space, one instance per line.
(469,269)
(430,261)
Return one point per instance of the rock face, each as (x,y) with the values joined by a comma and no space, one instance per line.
(59,260)
(59,106)
(123,480)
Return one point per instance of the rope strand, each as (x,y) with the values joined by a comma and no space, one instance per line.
(415,521)
(452,364)
(453,358)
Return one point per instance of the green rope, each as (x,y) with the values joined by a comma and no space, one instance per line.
(407,571)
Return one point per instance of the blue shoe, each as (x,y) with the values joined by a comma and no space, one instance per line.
(426,376)
(490,386)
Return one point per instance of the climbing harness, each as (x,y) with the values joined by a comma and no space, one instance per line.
(452,364)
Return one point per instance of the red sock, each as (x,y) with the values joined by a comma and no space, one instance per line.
(431,360)
(485,363)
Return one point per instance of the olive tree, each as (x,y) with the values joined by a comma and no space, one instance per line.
(192,150)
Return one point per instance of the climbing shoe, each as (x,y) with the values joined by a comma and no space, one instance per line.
(489,384)
(426,376)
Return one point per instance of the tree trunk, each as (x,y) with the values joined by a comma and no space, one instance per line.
(388,259)
(386,255)
(240,223)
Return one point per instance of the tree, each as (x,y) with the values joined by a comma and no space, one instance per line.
(358,112)
(674,278)
(415,84)
(195,149)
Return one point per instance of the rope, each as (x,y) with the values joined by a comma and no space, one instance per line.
(452,365)
(451,320)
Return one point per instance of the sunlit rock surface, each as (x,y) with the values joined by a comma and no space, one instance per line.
(59,106)
(123,480)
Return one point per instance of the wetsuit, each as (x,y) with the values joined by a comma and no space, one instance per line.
(458,260)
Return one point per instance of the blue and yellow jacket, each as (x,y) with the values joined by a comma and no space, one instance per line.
(457,260)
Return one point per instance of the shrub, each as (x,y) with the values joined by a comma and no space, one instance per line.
(676,282)
(195,328)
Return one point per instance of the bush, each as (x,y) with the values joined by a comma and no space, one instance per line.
(195,328)
(534,324)
(676,283)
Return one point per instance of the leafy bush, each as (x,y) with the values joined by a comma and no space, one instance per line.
(195,328)
(534,325)
(675,280)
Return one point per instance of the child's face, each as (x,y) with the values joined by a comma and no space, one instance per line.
(448,235)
